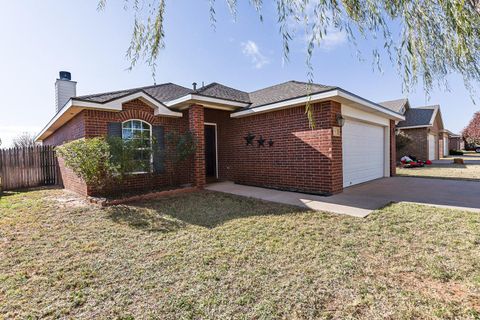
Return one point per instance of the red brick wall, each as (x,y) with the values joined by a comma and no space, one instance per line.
(70,180)
(418,146)
(93,123)
(197,128)
(72,130)
(96,123)
(301,159)
(455,143)
(393,150)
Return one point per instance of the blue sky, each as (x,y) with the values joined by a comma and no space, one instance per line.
(39,38)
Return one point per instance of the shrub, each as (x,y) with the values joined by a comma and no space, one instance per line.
(456,153)
(103,161)
(402,140)
(184,145)
(90,159)
(130,155)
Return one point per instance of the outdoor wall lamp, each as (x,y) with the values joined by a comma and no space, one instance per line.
(340,120)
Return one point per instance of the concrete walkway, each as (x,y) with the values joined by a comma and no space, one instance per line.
(361,200)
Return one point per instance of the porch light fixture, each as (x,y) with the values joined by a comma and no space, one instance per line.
(340,120)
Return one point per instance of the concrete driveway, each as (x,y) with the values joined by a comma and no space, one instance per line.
(469,158)
(361,200)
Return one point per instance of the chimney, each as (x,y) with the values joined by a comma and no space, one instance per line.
(194,86)
(65,89)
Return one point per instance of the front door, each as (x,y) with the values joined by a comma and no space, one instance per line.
(211,150)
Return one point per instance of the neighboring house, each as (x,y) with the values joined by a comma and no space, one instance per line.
(424,126)
(352,142)
(455,141)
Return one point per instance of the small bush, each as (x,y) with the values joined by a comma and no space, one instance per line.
(456,153)
(102,161)
(90,159)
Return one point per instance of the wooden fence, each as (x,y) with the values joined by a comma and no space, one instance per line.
(28,167)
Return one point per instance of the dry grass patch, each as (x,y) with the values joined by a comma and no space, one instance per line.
(216,256)
(444,171)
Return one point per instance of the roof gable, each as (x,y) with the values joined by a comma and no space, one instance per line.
(420,117)
(398,105)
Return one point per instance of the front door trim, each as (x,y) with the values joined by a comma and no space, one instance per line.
(216,145)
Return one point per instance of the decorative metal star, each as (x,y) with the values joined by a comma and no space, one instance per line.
(261,142)
(270,142)
(249,139)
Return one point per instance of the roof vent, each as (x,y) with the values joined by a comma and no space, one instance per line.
(194,86)
(65,75)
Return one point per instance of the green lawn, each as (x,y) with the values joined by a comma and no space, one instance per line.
(208,255)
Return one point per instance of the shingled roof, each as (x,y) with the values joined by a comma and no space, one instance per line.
(285,91)
(170,91)
(161,92)
(422,116)
(218,90)
(394,105)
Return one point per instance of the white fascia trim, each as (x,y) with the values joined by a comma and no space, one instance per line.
(376,107)
(434,115)
(415,127)
(200,98)
(315,97)
(160,109)
(64,109)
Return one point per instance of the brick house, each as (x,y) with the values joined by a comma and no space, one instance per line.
(455,141)
(259,138)
(424,126)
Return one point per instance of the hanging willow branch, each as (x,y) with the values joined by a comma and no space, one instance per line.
(436,38)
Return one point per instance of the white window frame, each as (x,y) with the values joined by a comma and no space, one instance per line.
(216,145)
(151,153)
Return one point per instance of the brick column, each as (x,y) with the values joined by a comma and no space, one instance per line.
(337,158)
(197,127)
(393,150)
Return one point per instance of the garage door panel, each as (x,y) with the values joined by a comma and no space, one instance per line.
(363,152)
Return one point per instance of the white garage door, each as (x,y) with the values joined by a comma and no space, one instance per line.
(431,147)
(445,146)
(363,152)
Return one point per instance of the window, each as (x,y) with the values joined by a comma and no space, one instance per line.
(140,134)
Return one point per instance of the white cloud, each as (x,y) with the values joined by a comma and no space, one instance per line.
(331,40)
(250,49)
(8,133)
(332,37)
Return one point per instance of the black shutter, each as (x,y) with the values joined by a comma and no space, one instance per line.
(158,149)
(114,129)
